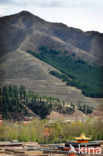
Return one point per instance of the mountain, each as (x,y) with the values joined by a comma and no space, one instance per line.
(24,31)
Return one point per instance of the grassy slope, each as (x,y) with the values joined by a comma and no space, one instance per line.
(21,68)
(36,39)
(84,76)
(27,31)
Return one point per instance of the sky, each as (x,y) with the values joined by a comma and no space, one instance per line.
(83,14)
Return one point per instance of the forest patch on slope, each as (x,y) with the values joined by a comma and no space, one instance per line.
(15,101)
(84,76)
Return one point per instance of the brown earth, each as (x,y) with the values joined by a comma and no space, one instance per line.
(59,116)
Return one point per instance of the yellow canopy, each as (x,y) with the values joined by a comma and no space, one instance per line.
(82,137)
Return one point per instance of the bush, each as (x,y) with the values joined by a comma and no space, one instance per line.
(60,131)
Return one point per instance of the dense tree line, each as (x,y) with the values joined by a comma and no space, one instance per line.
(10,99)
(15,101)
(61,76)
(77,72)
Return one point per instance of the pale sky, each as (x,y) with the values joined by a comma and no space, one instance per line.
(83,14)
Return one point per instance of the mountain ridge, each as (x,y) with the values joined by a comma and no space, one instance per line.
(75,39)
(24,12)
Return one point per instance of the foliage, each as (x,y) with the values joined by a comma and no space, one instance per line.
(61,76)
(14,102)
(10,97)
(77,72)
(60,131)
(86,109)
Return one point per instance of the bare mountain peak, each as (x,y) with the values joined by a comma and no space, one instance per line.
(25,12)
(28,15)
(23,19)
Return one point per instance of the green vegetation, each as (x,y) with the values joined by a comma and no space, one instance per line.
(77,72)
(85,109)
(11,99)
(60,131)
(61,76)
(15,101)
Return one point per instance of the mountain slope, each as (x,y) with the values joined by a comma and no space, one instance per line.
(10,37)
(91,41)
(86,77)
(24,31)
(20,68)
(35,32)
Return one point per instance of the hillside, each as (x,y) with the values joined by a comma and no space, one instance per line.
(71,51)
(27,31)
(20,68)
(75,72)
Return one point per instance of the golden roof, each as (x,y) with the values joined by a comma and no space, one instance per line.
(82,137)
